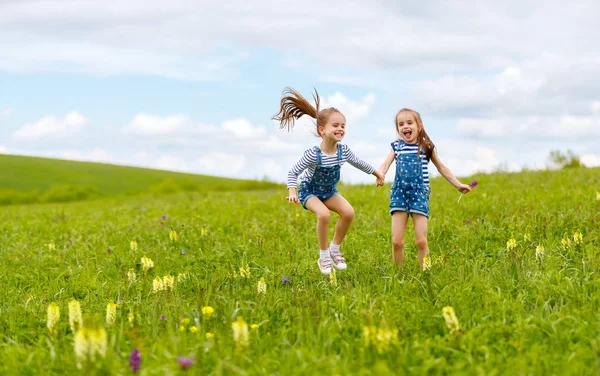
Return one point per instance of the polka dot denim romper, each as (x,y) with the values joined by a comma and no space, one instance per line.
(409,192)
(323,182)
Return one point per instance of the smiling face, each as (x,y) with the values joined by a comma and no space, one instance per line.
(334,129)
(407,127)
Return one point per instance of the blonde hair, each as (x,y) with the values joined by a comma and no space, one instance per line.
(423,139)
(293,106)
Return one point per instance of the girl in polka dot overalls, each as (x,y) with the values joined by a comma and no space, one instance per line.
(410,192)
(320,168)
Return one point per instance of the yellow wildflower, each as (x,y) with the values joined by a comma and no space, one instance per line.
(262,286)
(511,244)
(427,262)
(380,338)
(385,337)
(75,320)
(241,337)
(578,238)
(566,243)
(193,329)
(209,335)
(111,313)
(147,263)
(369,335)
(539,252)
(245,271)
(173,235)
(89,344)
(133,245)
(332,277)
(131,276)
(168,282)
(208,311)
(451,319)
(53,318)
(157,284)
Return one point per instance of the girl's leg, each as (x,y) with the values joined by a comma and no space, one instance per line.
(341,206)
(420,222)
(316,206)
(399,220)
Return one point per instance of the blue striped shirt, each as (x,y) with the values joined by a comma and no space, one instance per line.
(401,147)
(308,164)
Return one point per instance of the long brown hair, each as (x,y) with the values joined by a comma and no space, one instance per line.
(423,139)
(293,106)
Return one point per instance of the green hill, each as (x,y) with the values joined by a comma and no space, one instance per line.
(32,179)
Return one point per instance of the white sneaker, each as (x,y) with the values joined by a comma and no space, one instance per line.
(324,265)
(337,258)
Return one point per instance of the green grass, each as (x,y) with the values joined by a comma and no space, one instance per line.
(32,179)
(519,314)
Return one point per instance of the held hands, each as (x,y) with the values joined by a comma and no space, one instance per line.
(380,178)
(292,197)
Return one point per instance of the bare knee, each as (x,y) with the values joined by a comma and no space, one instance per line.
(323,216)
(398,243)
(421,242)
(348,214)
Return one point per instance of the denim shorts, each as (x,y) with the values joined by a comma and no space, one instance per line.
(410,198)
(306,191)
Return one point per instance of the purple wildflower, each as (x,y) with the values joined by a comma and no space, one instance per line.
(163,318)
(473,184)
(185,362)
(285,280)
(135,360)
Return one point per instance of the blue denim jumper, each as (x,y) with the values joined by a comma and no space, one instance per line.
(324,180)
(409,192)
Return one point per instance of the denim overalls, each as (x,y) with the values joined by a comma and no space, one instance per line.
(409,192)
(323,182)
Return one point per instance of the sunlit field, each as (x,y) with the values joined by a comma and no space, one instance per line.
(226,283)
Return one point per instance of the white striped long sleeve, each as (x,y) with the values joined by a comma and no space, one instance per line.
(309,159)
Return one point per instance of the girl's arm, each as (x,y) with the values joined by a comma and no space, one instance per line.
(362,165)
(385,166)
(447,174)
(309,158)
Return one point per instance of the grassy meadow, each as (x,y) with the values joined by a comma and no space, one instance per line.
(26,180)
(508,259)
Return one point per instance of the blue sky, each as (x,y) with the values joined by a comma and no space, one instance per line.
(192,86)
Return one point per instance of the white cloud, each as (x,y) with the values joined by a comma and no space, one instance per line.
(568,127)
(145,124)
(166,38)
(354,111)
(222,164)
(590,160)
(51,126)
